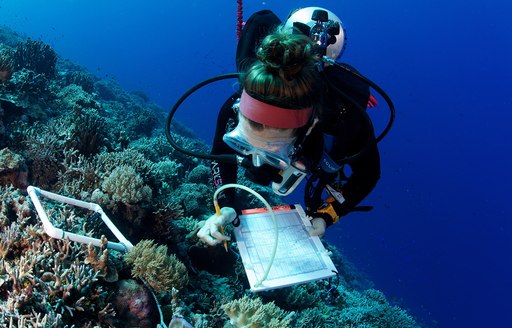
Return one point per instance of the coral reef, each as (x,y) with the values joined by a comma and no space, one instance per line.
(160,270)
(36,56)
(67,131)
(247,312)
(44,279)
(125,185)
(135,306)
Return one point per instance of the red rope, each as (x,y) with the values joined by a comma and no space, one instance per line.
(240,20)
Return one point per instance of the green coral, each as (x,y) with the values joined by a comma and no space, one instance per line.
(151,263)
(252,313)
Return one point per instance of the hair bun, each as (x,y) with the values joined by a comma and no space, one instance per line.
(285,54)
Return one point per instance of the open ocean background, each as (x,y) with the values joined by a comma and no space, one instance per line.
(439,239)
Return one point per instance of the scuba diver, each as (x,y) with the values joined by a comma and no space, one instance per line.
(299,114)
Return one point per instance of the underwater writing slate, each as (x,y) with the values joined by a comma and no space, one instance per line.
(299,257)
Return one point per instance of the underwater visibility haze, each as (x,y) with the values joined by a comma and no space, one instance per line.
(435,247)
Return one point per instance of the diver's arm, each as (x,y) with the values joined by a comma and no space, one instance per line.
(354,137)
(364,177)
(257,27)
(224,173)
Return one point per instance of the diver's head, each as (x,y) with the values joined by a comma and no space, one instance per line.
(284,76)
(279,92)
(265,145)
(322,26)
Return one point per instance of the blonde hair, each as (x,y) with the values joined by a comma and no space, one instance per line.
(285,74)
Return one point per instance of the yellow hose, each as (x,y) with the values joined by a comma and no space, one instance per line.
(269,208)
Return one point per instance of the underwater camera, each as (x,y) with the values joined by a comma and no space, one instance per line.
(324,32)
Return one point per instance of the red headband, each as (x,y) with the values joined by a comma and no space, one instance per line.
(273,116)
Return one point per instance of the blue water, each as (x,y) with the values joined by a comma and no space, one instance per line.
(439,239)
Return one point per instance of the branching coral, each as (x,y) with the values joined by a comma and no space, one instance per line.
(161,271)
(44,150)
(36,56)
(87,132)
(29,90)
(100,261)
(13,207)
(46,275)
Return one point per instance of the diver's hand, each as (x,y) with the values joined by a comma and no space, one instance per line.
(318,226)
(211,233)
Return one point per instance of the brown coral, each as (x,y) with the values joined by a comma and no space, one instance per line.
(161,271)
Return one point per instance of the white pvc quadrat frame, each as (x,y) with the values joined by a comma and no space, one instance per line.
(123,245)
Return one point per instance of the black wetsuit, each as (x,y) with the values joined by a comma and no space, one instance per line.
(344,130)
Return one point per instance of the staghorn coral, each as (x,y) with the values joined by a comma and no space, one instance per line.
(44,149)
(298,297)
(44,278)
(101,263)
(142,121)
(161,271)
(312,317)
(154,149)
(80,176)
(107,162)
(252,313)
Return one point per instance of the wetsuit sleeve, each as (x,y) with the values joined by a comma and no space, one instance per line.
(224,173)
(257,27)
(364,177)
(354,135)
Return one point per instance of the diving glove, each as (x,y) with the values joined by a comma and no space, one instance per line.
(212,231)
(330,211)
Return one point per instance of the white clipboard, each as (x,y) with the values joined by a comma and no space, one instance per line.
(300,258)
